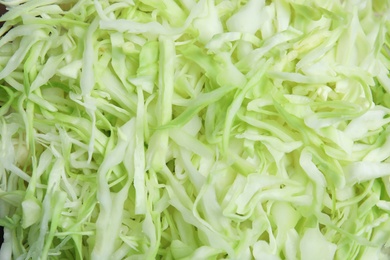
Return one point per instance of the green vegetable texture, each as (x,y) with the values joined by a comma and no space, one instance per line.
(185,129)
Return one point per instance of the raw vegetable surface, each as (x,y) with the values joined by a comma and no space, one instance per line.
(183,129)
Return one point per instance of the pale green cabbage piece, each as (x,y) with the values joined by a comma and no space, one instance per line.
(183,129)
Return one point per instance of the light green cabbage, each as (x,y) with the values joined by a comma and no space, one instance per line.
(183,129)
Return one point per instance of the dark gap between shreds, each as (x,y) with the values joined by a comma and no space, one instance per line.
(1,235)
(3,10)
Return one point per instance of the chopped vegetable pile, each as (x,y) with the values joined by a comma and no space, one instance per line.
(183,129)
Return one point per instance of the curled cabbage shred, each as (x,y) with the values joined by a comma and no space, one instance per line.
(184,129)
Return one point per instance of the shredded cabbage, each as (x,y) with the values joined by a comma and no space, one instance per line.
(210,129)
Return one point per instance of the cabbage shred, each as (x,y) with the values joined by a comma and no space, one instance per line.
(210,129)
